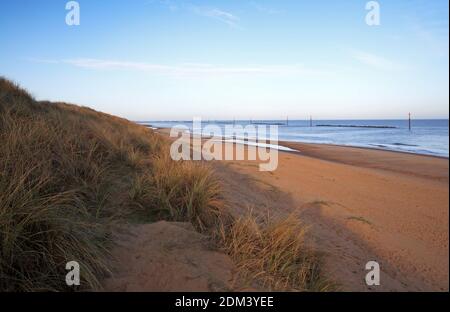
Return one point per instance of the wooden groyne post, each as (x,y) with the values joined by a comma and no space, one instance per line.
(409,121)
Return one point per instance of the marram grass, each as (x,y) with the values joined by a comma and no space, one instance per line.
(69,174)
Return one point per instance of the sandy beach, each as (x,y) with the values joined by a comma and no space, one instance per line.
(361,205)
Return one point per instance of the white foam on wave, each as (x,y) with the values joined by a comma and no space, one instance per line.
(260,144)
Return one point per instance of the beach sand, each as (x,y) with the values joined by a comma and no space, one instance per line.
(179,259)
(361,205)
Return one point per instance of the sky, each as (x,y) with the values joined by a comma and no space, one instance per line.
(225,59)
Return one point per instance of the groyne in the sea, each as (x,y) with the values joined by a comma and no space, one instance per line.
(358,126)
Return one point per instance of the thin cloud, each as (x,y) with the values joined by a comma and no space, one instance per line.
(375,61)
(264,9)
(217,14)
(186,69)
(214,13)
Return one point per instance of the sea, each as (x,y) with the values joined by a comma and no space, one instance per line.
(426,136)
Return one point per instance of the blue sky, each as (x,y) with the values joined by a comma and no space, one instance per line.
(174,59)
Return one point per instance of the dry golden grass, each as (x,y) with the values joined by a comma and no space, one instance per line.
(60,168)
(179,191)
(68,174)
(272,253)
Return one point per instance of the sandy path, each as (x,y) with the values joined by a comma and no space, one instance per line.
(168,256)
(367,205)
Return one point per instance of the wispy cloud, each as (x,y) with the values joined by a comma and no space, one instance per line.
(223,16)
(375,61)
(186,69)
(211,12)
(264,9)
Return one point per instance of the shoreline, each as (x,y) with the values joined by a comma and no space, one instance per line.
(284,143)
(367,148)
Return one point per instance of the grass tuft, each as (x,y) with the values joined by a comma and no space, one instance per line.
(273,253)
(179,191)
